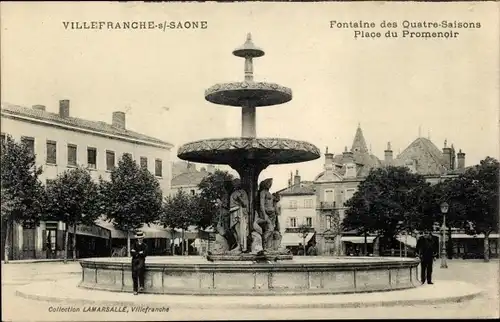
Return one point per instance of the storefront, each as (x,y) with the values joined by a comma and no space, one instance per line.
(91,241)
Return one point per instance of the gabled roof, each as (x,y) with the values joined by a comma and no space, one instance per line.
(100,127)
(429,159)
(304,188)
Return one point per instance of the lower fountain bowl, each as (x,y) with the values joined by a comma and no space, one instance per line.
(194,275)
(243,150)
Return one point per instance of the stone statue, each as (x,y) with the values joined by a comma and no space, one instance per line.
(267,212)
(224,238)
(276,235)
(258,228)
(238,215)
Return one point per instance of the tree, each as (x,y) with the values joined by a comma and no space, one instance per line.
(385,203)
(211,189)
(73,198)
(131,198)
(480,198)
(180,211)
(23,195)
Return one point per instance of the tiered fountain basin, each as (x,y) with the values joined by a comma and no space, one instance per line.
(259,93)
(194,275)
(237,150)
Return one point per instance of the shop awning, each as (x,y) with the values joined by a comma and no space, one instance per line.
(408,240)
(453,235)
(152,231)
(91,230)
(358,239)
(294,239)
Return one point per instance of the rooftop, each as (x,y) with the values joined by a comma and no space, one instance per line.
(303,188)
(54,119)
(189,178)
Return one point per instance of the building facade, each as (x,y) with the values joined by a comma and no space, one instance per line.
(61,142)
(188,177)
(342,173)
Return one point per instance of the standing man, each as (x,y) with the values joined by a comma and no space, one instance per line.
(425,250)
(138,251)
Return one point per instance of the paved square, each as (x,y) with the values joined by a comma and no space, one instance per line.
(15,308)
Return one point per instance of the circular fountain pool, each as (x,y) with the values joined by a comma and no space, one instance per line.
(194,275)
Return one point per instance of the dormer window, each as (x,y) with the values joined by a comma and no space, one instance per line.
(350,171)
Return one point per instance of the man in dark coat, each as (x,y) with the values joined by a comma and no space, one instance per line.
(138,252)
(425,250)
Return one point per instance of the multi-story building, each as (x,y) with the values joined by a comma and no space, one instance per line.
(61,142)
(298,213)
(188,178)
(343,172)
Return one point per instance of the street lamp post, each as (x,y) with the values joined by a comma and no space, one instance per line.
(444,210)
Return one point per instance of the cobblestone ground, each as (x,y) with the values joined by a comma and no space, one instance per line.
(484,275)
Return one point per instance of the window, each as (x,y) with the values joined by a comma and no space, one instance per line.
(348,194)
(92,158)
(29,143)
(110,160)
(193,192)
(158,168)
(329,222)
(293,204)
(308,203)
(144,162)
(72,155)
(293,222)
(329,195)
(51,152)
(309,221)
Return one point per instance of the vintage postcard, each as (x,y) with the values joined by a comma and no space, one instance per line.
(249,160)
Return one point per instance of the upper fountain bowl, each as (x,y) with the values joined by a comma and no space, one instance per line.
(248,93)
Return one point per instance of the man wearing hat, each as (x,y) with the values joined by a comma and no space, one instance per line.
(425,249)
(138,252)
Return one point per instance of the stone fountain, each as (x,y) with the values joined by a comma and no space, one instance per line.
(248,155)
(247,258)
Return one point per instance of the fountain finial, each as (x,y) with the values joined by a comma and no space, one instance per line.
(248,50)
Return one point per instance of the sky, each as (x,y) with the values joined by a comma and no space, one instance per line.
(395,88)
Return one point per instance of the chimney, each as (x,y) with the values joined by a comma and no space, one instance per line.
(64,108)
(118,120)
(296,179)
(347,156)
(447,156)
(210,168)
(328,160)
(460,160)
(388,154)
(39,107)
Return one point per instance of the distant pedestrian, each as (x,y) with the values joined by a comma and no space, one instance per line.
(425,250)
(300,251)
(138,252)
